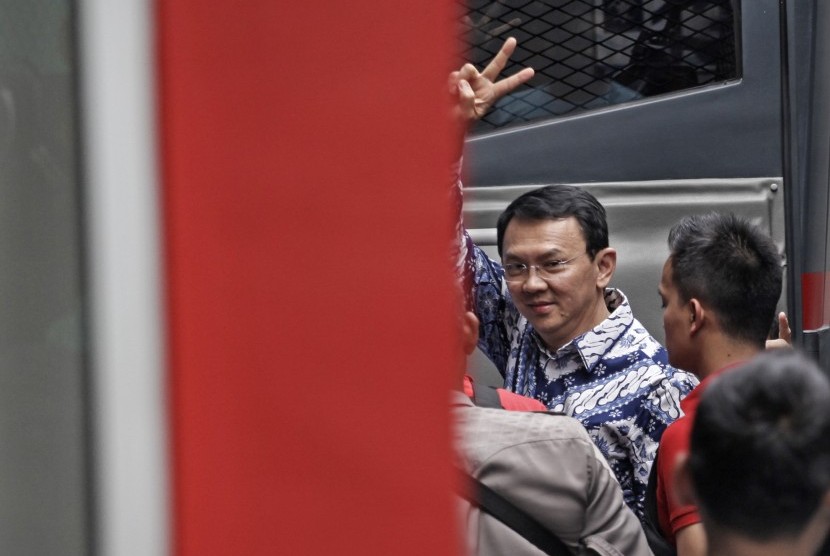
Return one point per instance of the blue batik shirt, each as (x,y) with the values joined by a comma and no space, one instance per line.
(615,378)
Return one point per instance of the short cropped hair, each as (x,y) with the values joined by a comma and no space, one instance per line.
(731,266)
(760,446)
(555,202)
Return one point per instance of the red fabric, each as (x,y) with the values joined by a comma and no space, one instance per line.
(675,441)
(509,400)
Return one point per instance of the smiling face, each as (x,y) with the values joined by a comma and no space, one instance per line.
(571,301)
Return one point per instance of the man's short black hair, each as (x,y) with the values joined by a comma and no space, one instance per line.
(732,267)
(555,202)
(760,446)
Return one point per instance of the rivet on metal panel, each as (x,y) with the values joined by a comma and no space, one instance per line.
(773,187)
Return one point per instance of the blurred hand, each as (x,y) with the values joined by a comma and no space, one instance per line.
(785,335)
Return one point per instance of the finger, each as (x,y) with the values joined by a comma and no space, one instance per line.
(777,343)
(452,82)
(465,107)
(498,62)
(508,84)
(468,72)
(784,331)
(506,27)
(466,94)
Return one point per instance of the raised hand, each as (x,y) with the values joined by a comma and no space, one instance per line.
(785,335)
(476,92)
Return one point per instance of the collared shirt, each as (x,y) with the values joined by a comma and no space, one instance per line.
(615,379)
(546,465)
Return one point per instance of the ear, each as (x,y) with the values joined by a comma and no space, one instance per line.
(469,331)
(684,490)
(606,263)
(697,316)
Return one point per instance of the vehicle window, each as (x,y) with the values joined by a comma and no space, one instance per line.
(594,53)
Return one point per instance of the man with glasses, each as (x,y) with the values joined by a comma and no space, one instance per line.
(550,324)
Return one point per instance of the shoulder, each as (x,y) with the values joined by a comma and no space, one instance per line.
(684,381)
(658,388)
(624,336)
(676,435)
(486,433)
(516,402)
(675,441)
(527,426)
(681,381)
(667,387)
(646,352)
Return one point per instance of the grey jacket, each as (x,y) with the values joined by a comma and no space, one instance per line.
(546,465)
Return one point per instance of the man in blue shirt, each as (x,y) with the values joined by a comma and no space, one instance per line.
(549,322)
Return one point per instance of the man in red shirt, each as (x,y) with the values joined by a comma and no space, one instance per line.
(759,460)
(719,290)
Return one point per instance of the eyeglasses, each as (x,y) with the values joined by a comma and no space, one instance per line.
(516,273)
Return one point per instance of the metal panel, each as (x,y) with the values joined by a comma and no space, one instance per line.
(817,343)
(729,130)
(127,329)
(816,123)
(640,215)
(806,151)
(810,86)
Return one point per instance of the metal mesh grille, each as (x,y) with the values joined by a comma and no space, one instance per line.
(594,53)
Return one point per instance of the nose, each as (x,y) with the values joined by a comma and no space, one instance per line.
(533,283)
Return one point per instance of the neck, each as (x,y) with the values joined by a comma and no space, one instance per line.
(733,545)
(718,351)
(721,542)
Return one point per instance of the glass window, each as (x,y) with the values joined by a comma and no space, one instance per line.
(594,53)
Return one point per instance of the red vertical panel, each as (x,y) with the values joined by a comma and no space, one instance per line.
(304,171)
(815,293)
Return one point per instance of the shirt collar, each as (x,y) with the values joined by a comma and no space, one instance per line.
(604,334)
(689,403)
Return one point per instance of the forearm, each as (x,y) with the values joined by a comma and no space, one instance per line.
(484,292)
(691,541)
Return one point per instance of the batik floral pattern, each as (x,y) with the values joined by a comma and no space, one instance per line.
(615,379)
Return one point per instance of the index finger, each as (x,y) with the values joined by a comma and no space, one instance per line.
(507,84)
(498,62)
(784,331)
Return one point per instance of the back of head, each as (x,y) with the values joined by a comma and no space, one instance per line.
(554,202)
(730,266)
(760,447)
